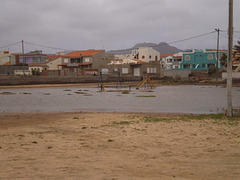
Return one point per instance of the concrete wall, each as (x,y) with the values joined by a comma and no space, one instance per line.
(61,80)
(9,70)
(101,59)
(51,73)
(177,73)
(235,75)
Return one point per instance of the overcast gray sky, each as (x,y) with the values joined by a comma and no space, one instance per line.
(113,24)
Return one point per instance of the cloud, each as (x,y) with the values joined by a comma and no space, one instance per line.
(113,24)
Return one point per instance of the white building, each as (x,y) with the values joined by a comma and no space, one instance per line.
(171,61)
(146,54)
(141,55)
(6,58)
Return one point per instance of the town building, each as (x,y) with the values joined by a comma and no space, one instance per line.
(139,69)
(142,55)
(171,61)
(6,58)
(28,58)
(201,60)
(84,63)
(51,64)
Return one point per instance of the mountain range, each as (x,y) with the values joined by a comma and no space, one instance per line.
(162,47)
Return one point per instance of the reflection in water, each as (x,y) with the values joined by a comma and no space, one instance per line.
(175,99)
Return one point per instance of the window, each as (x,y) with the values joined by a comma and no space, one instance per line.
(193,66)
(210,56)
(155,70)
(203,65)
(104,71)
(87,60)
(187,58)
(65,60)
(143,57)
(186,66)
(150,57)
(175,67)
(148,70)
(152,70)
(125,70)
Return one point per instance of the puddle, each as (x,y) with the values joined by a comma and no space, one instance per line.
(169,99)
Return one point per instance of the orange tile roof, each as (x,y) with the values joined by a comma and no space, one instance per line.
(7,63)
(214,50)
(85,64)
(139,61)
(87,53)
(177,57)
(165,55)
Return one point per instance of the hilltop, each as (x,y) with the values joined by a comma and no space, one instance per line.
(162,47)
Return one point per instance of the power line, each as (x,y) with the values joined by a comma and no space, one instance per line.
(47,46)
(186,39)
(56,48)
(10,45)
(223,35)
(227,31)
(227,37)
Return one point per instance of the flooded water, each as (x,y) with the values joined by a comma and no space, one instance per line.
(169,99)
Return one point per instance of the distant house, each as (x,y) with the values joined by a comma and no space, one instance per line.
(84,63)
(146,54)
(142,61)
(52,64)
(201,60)
(28,58)
(6,58)
(171,61)
(134,68)
(166,61)
(143,54)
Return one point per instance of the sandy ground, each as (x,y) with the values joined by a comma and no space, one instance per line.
(116,146)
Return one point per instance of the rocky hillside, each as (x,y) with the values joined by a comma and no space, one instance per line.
(162,47)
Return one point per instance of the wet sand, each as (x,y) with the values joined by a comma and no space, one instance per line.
(116,146)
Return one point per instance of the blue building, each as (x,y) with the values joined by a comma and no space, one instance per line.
(201,60)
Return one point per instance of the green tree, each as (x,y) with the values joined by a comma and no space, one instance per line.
(237,47)
(212,70)
(223,60)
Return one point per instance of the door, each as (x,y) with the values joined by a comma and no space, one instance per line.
(136,71)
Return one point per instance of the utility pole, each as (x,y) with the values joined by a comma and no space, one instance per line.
(229,62)
(217,47)
(23,53)
(217,64)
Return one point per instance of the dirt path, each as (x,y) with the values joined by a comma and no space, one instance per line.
(115,146)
